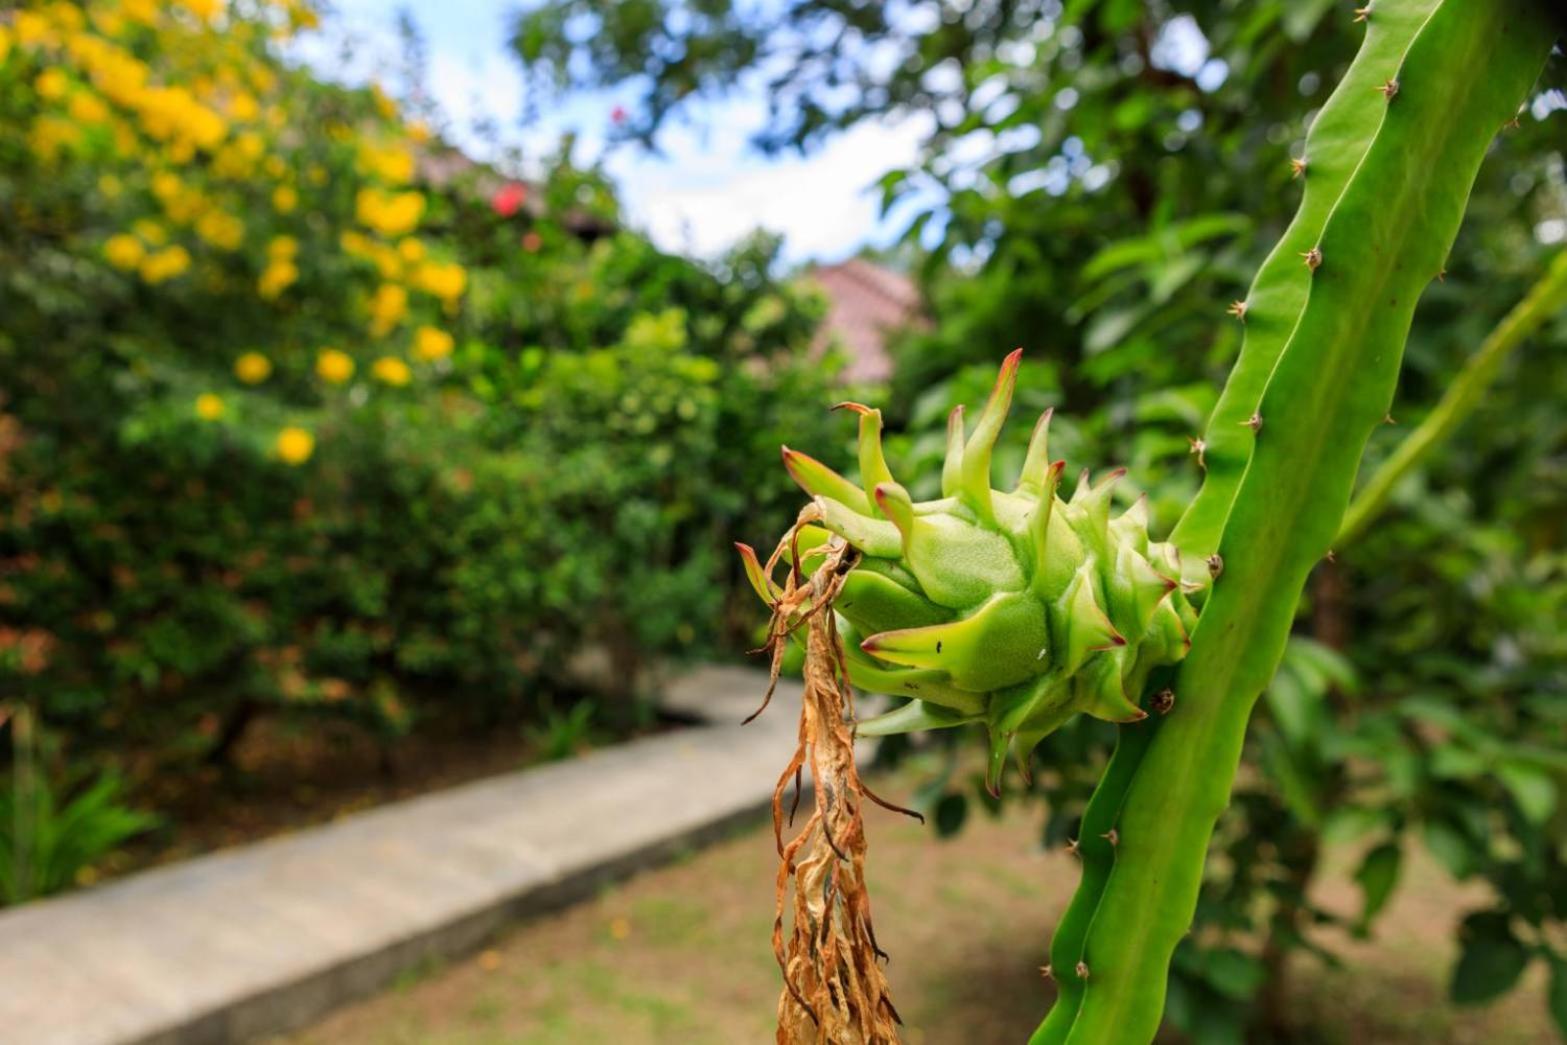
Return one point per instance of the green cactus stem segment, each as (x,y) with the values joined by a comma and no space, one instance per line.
(1464,76)
(1546,298)
(1338,140)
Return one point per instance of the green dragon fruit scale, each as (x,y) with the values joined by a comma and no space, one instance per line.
(1013,609)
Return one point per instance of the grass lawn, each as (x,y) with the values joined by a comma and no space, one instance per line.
(682,954)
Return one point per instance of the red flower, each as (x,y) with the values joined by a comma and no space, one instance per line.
(509,198)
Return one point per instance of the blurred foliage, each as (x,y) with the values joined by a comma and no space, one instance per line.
(1099,179)
(304,414)
(50,838)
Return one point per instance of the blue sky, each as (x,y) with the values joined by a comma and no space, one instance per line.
(707,190)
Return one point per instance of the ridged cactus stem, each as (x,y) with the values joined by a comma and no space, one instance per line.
(1546,298)
(1464,75)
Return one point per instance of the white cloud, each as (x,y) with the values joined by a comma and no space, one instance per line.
(826,205)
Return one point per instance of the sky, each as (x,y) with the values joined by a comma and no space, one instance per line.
(707,190)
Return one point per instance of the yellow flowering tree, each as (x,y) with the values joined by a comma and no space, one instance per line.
(168,143)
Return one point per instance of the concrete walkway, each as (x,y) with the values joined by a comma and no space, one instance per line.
(266,937)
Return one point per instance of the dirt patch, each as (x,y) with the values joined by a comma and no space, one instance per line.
(288,775)
(682,955)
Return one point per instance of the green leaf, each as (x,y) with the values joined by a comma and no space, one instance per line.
(1450,847)
(1452,762)
(1556,993)
(1234,974)
(1491,961)
(951,812)
(1377,876)
(1532,788)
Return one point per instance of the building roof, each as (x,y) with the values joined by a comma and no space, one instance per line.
(866,302)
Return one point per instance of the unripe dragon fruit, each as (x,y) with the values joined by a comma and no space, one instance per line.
(1015,609)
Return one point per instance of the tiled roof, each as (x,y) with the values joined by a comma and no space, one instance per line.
(866,302)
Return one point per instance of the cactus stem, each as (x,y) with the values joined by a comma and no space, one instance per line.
(1082,970)
(1238,310)
(1389,89)
(1313,257)
(1163,701)
(1297,166)
(1215,565)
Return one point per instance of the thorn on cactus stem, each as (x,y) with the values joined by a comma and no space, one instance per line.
(1163,701)
(1071,846)
(1238,310)
(1082,970)
(1362,13)
(1313,257)
(1330,556)
(1112,836)
(1441,276)
(1047,972)
(1215,565)
(1387,419)
(1389,89)
(1198,447)
(1297,166)
(1254,422)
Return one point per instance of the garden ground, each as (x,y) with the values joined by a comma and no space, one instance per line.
(682,955)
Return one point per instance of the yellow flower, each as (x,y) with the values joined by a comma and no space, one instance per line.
(387,308)
(165,265)
(431,344)
(87,107)
(51,85)
(52,135)
(32,28)
(284,199)
(387,262)
(445,281)
(143,11)
(166,185)
(252,368)
(206,10)
(243,107)
(209,407)
(5,43)
(389,213)
(334,366)
(390,370)
(392,163)
(222,230)
(383,102)
(109,186)
(411,251)
(277,277)
(295,445)
(150,231)
(251,146)
(282,247)
(124,251)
